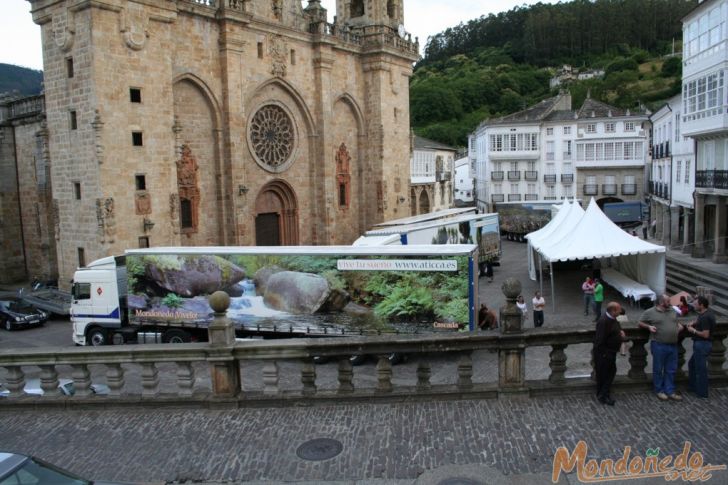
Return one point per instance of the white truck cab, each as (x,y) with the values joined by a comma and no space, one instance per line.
(98,301)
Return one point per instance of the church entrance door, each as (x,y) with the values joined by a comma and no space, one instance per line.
(276,215)
(267,230)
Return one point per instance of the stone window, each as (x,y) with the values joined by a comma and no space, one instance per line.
(189,191)
(77,190)
(137,139)
(549,131)
(69,67)
(591,128)
(81,257)
(186,219)
(567,130)
(272,137)
(135,95)
(629,126)
(74,121)
(143,241)
(391,9)
(357,8)
(293,57)
(260,50)
(140,181)
(609,128)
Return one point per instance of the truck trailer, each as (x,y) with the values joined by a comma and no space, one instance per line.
(160,294)
(465,228)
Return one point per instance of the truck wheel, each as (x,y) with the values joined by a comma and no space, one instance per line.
(7,325)
(117,338)
(97,337)
(175,336)
(357,359)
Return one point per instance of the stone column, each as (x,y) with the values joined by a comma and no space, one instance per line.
(224,369)
(675,226)
(666,225)
(686,231)
(511,353)
(720,230)
(699,246)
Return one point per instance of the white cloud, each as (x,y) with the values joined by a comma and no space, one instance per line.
(20,37)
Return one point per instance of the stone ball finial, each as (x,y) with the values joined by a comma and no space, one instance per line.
(219,301)
(511,288)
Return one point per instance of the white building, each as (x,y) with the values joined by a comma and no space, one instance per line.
(671,183)
(431,169)
(463,182)
(549,152)
(705,120)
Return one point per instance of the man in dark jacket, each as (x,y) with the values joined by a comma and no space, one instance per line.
(607,341)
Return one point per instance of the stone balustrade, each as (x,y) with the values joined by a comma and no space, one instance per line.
(280,372)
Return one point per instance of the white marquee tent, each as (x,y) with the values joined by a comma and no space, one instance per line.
(592,235)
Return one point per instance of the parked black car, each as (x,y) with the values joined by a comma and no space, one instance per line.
(15,313)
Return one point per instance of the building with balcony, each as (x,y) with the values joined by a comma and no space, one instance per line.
(431,175)
(671,181)
(704,118)
(550,151)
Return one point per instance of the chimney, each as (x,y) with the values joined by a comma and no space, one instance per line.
(564,101)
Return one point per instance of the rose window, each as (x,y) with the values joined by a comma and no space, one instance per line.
(272,136)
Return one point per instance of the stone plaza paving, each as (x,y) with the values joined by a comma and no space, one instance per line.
(485,441)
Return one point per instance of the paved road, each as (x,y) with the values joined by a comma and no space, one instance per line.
(384,443)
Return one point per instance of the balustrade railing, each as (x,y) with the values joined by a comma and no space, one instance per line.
(712,179)
(286,371)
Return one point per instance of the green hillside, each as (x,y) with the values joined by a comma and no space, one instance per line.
(20,79)
(502,63)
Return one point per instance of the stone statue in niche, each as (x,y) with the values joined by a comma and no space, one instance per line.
(188,190)
(343,176)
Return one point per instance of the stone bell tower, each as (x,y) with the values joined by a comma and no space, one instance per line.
(357,13)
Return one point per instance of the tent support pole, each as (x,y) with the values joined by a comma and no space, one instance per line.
(553,293)
(540,274)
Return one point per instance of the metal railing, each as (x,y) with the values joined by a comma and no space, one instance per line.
(514,175)
(567,178)
(514,197)
(498,175)
(609,189)
(497,197)
(530,175)
(530,197)
(549,178)
(629,189)
(712,179)
(591,189)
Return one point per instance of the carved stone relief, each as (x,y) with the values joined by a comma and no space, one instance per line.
(64,28)
(343,175)
(278,50)
(106,220)
(174,212)
(142,203)
(134,26)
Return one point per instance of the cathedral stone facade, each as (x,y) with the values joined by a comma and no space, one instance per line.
(222,122)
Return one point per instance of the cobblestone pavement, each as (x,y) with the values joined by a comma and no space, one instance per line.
(380,441)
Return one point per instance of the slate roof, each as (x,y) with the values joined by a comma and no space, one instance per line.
(427,144)
(535,113)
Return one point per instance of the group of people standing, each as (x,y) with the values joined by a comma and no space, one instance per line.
(593,296)
(661,322)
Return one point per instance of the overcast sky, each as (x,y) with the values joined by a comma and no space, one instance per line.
(20,37)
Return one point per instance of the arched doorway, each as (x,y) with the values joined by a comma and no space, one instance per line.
(424,202)
(276,215)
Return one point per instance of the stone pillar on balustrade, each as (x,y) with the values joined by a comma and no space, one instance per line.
(224,369)
(699,243)
(512,352)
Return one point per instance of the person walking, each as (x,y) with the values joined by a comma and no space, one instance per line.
(701,331)
(538,305)
(598,298)
(588,289)
(607,340)
(662,323)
